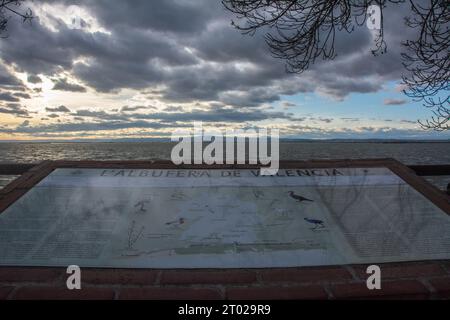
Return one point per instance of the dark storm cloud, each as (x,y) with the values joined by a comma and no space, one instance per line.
(133,59)
(14,109)
(64,85)
(6,96)
(7,80)
(325,120)
(223,43)
(212,114)
(129,47)
(165,16)
(173,109)
(251,98)
(225,83)
(135,108)
(62,109)
(339,87)
(22,95)
(35,49)
(125,74)
(190,50)
(100,115)
(26,123)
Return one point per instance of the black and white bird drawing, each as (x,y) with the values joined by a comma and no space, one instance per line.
(298,197)
(318,224)
(179,221)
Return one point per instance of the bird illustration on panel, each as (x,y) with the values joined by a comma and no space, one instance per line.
(299,198)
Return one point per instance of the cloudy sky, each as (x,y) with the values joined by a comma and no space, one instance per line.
(128,69)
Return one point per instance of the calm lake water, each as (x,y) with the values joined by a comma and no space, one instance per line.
(408,153)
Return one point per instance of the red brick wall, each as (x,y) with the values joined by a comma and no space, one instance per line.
(418,280)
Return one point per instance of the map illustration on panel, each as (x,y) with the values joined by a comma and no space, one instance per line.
(221,219)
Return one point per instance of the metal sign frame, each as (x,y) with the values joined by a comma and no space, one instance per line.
(27,181)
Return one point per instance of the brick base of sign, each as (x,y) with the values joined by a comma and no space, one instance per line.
(412,280)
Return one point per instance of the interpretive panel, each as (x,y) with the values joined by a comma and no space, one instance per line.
(179,218)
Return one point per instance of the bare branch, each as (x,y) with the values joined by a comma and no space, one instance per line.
(427,61)
(302,31)
(9,8)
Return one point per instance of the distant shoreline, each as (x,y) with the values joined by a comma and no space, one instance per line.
(163,140)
